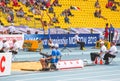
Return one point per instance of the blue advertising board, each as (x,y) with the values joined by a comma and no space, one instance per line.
(33,36)
(68,39)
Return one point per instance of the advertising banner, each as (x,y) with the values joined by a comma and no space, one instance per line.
(34,36)
(10,38)
(68,64)
(5,64)
(68,39)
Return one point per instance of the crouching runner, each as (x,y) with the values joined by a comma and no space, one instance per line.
(53,59)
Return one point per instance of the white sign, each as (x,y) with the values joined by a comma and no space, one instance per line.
(5,63)
(10,38)
(68,64)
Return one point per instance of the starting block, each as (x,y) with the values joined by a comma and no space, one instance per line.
(69,64)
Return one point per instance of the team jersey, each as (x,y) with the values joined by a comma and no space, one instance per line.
(55,56)
(58,55)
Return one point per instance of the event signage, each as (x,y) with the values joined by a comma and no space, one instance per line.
(5,63)
(62,39)
(10,38)
(68,64)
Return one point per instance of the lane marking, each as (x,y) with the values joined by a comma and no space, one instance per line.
(74,79)
(49,73)
(70,75)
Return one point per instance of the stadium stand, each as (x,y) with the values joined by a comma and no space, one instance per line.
(83,15)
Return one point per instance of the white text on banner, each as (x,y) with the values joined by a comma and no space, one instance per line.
(68,64)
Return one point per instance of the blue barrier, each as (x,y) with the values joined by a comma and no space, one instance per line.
(61,39)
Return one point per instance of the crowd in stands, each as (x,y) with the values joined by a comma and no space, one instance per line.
(97,14)
(36,7)
(97,4)
(111,5)
(20,13)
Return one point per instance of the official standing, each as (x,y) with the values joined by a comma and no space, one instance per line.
(82,44)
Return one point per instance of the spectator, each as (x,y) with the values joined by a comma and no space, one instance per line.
(45,24)
(47,4)
(36,10)
(97,14)
(15,3)
(11,14)
(28,32)
(64,12)
(97,5)
(66,19)
(11,29)
(114,7)
(44,3)
(6,9)
(56,3)
(27,3)
(6,32)
(31,8)
(20,13)
(111,33)
(31,2)
(69,13)
(55,19)
(24,1)
(36,32)
(1,25)
(1,32)
(116,2)
(42,7)
(51,9)
(109,4)
(27,18)
(91,31)
(2,5)
(9,19)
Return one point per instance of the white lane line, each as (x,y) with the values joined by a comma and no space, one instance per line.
(74,79)
(114,79)
(73,70)
(70,75)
